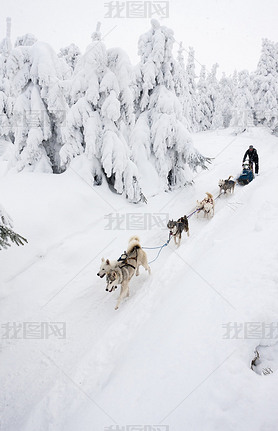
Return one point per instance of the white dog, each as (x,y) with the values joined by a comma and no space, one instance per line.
(120,272)
(105,266)
(125,268)
(134,252)
(206,205)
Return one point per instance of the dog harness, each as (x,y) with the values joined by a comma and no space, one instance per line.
(123,258)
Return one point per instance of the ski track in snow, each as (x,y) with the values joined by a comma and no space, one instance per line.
(162,354)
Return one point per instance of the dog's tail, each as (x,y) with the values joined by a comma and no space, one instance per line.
(209,195)
(230,177)
(133,243)
(134,238)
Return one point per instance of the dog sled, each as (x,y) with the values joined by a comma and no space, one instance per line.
(246,176)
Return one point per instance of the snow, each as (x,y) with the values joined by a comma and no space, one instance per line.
(162,357)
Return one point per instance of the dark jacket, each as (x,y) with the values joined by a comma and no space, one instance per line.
(246,177)
(252,155)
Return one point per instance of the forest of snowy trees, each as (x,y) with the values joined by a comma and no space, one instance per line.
(119,119)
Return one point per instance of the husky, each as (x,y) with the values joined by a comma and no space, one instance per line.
(120,275)
(177,227)
(206,205)
(105,266)
(134,252)
(227,185)
(125,269)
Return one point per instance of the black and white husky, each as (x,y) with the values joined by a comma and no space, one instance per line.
(177,227)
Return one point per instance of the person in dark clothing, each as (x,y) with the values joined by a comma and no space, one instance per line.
(253,157)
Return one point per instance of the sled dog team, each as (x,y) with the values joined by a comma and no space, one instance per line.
(121,271)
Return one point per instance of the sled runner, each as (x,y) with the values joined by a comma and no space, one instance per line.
(246,176)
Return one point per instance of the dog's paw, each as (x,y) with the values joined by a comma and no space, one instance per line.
(116,308)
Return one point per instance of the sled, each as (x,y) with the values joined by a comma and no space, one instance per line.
(246,176)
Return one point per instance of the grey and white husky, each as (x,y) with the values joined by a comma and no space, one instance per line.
(120,275)
(125,269)
(227,185)
(177,227)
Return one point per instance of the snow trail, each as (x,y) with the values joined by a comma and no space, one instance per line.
(162,355)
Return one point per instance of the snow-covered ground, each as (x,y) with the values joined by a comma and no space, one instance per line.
(162,358)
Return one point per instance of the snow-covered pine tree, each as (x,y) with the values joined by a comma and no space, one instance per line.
(204,102)
(181,84)
(27,39)
(265,87)
(235,79)
(194,113)
(5,114)
(70,54)
(119,64)
(39,107)
(160,139)
(224,103)
(100,117)
(243,107)
(7,235)
(6,101)
(6,44)
(213,87)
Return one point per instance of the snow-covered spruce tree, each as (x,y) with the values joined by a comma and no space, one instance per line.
(119,64)
(160,137)
(265,87)
(7,235)
(213,87)
(204,102)
(70,54)
(6,104)
(194,113)
(39,106)
(6,44)
(243,107)
(181,84)
(224,102)
(6,101)
(27,39)
(100,117)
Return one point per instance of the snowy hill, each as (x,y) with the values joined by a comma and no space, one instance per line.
(163,356)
